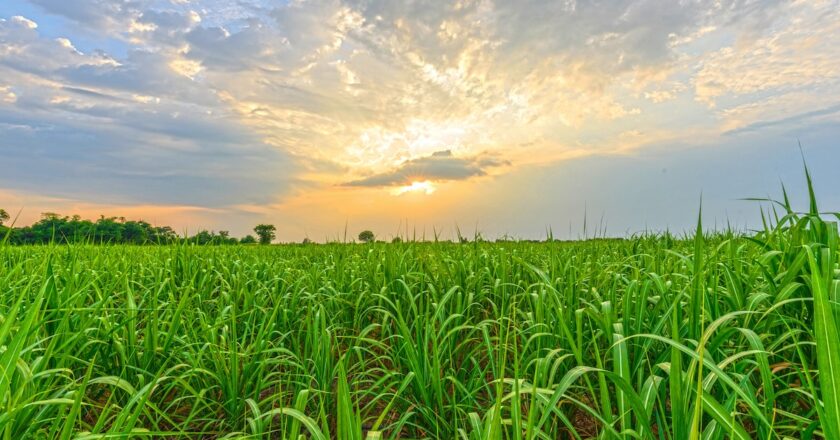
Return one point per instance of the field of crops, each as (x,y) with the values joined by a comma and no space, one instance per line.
(712,336)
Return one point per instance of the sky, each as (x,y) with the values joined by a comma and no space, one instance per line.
(510,118)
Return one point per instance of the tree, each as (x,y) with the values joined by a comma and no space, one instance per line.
(266,233)
(135,232)
(108,230)
(202,238)
(225,238)
(248,239)
(366,236)
(164,234)
(4,216)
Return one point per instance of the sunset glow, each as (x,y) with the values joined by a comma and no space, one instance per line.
(424,187)
(243,110)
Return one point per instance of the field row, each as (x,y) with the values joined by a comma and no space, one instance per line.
(714,336)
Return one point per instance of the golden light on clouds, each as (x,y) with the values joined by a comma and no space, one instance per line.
(309,110)
(424,187)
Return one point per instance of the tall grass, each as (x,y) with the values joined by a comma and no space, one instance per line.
(708,337)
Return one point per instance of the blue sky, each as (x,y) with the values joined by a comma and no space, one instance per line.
(512,117)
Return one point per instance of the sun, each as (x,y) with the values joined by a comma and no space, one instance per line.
(424,187)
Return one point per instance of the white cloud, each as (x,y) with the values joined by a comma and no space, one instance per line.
(7,95)
(66,43)
(800,51)
(25,22)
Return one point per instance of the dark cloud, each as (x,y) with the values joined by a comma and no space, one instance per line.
(440,166)
(92,94)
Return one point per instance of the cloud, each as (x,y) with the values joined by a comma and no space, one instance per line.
(125,129)
(163,27)
(217,48)
(792,120)
(254,97)
(7,95)
(440,166)
(118,156)
(90,93)
(99,14)
(25,22)
(795,56)
(23,49)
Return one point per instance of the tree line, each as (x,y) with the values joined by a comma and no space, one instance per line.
(55,228)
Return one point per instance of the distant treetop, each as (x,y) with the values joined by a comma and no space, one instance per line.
(266,233)
(55,228)
(366,236)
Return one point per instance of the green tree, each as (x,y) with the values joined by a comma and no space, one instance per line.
(248,239)
(4,216)
(203,237)
(366,236)
(135,232)
(108,230)
(164,234)
(266,233)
